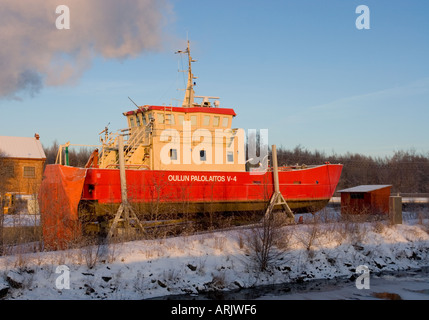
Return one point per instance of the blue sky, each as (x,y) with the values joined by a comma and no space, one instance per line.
(300,69)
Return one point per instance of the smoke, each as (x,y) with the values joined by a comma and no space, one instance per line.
(34,53)
(30,81)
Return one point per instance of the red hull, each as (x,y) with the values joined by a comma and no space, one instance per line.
(64,188)
(300,186)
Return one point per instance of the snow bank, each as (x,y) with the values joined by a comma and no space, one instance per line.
(214,261)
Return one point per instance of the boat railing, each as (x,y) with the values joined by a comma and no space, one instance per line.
(135,138)
(128,166)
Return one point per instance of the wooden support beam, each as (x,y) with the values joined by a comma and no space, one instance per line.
(277,198)
(125,211)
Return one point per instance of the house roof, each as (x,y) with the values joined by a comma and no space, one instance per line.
(366,188)
(21,147)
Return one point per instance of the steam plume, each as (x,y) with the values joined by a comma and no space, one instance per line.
(34,53)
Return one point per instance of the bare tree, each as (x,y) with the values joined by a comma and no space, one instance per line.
(268,241)
(78,156)
(406,171)
(6,173)
(51,153)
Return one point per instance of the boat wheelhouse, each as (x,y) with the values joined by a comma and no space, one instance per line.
(196,136)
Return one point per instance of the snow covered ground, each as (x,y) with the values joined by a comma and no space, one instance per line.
(225,261)
(12,220)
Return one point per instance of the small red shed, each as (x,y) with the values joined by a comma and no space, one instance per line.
(365,199)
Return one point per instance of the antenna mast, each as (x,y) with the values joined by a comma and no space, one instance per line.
(188,101)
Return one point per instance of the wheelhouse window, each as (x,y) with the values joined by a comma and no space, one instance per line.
(144,119)
(150,116)
(203,155)
(230,156)
(169,119)
(29,172)
(180,119)
(225,122)
(216,121)
(132,122)
(193,120)
(161,119)
(206,121)
(173,154)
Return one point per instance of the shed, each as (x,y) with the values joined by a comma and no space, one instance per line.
(366,199)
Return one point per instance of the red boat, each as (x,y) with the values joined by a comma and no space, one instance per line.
(175,160)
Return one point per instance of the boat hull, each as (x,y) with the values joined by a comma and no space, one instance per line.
(303,189)
(67,194)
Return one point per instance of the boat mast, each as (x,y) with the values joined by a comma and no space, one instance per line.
(188,101)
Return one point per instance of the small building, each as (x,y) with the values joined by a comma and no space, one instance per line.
(22,161)
(365,199)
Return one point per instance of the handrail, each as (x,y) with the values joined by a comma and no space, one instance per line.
(129,165)
(136,139)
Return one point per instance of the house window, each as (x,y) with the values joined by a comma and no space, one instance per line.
(173,154)
(206,121)
(161,119)
(203,155)
(29,172)
(225,122)
(216,121)
(193,120)
(358,195)
(230,156)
